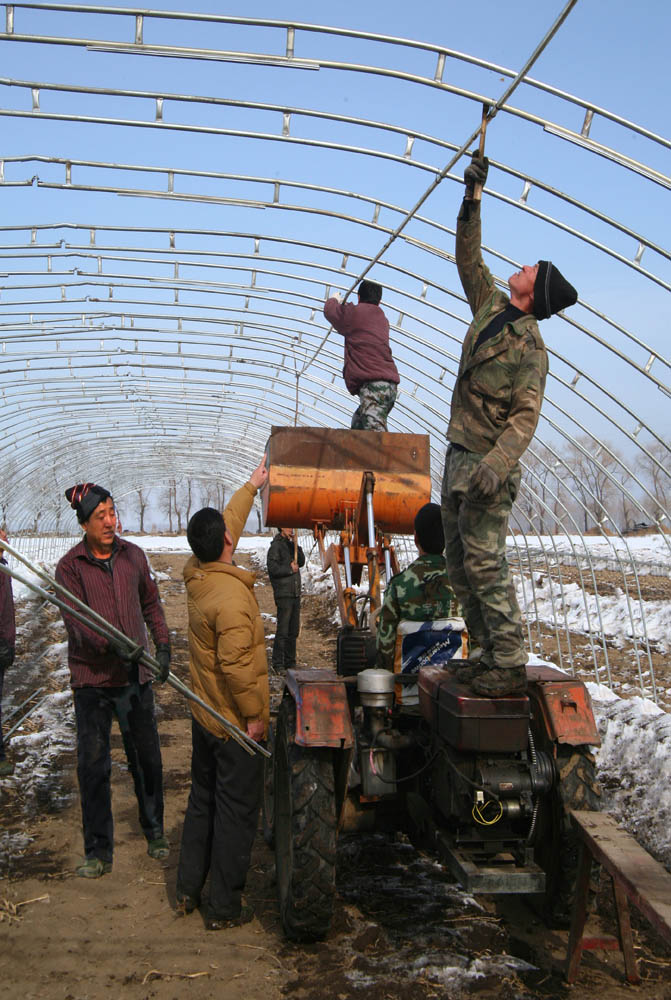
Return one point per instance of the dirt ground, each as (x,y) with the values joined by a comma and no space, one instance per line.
(402,929)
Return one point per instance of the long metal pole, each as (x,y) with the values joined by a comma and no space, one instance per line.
(459,153)
(92,620)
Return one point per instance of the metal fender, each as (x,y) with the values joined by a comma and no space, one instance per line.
(322,712)
(565,706)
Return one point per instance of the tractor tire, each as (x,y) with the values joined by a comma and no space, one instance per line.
(559,847)
(268,800)
(305,832)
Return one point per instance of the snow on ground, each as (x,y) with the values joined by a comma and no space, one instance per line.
(634,767)
(651,553)
(178,543)
(633,763)
(616,616)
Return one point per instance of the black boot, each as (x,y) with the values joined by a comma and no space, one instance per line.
(500,682)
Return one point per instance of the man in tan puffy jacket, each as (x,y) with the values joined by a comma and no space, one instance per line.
(229,670)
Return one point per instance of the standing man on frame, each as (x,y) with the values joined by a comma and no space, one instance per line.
(496,404)
(369,372)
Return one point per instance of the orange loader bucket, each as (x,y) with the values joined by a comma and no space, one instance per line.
(314,477)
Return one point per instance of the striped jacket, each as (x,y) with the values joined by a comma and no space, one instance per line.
(7,625)
(127,597)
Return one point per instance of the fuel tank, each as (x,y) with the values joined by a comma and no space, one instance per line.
(314,476)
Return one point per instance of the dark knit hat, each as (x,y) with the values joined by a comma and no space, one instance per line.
(429,528)
(84,498)
(552,292)
(370,291)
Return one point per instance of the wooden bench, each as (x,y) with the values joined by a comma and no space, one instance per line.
(637,878)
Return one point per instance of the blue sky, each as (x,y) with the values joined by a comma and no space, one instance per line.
(614,55)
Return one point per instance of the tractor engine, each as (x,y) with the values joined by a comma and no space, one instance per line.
(487,778)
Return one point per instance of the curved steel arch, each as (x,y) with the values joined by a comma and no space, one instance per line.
(243,342)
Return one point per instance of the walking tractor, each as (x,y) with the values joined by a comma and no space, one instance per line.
(485,784)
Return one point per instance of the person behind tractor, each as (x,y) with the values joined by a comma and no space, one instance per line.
(229,671)
(7,642)
(369,370)
(421,592)
(284,569)
(112,576)
(496,403)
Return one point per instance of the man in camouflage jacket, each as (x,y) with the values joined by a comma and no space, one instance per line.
(421,592)
(496,403)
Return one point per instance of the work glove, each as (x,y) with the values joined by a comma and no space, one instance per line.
(475,173)
(163,659)
(6,654)
(129,657)
(483,483)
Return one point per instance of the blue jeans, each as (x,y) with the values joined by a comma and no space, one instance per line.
(133,706)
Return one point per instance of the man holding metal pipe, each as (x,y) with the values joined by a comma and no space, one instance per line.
(496,404)
(229,671)
(112,577)
(7,641)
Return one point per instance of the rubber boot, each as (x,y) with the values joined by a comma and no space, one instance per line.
(500,682)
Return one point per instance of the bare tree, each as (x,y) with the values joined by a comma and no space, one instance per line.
(213,494)
(7,489)
(141,502)
(167,499)
(207,493)
(538,501)
(657,480)
(186,497)
(593,468)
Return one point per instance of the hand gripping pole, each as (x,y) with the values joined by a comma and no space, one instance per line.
(82,613)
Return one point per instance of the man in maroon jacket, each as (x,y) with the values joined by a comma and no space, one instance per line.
(369,370)
(112,576)
(7,640)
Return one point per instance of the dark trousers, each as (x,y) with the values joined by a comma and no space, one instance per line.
(2,745)
(286,633)
(133,706)
(221,820)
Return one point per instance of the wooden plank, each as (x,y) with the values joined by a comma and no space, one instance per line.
(645,881)
(624,926)
(576,942)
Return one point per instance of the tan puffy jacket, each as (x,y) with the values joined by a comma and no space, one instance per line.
(227,649)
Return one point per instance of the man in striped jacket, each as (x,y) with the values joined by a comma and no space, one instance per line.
(112,576)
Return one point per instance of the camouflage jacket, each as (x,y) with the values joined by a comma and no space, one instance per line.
(420,593)
(499,390)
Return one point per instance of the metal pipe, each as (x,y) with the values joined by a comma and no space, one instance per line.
(369,513)
(23,718)
(102,627)
(18,708)
(348,566)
